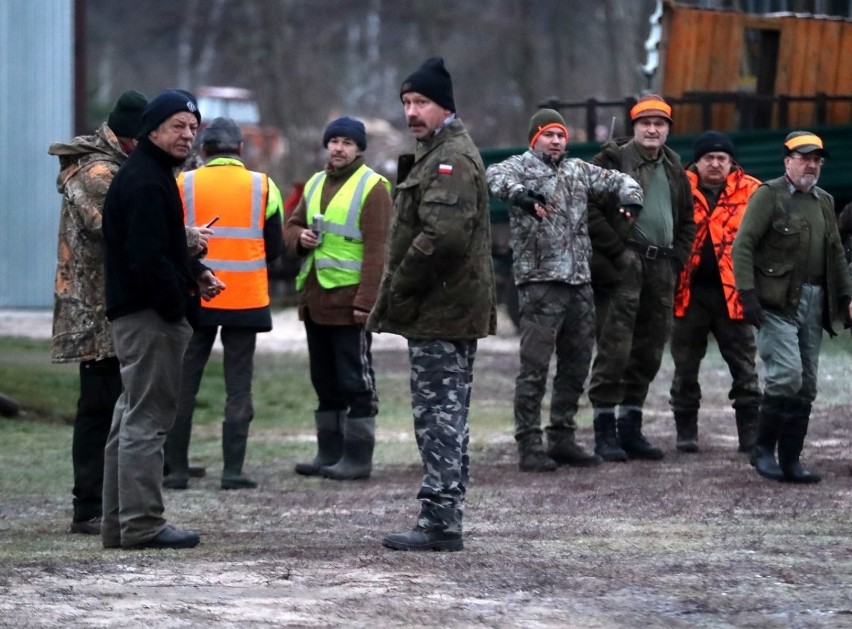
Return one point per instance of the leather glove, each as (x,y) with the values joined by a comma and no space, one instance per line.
(752,311)
(527,200)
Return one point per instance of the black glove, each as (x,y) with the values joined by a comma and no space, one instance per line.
(527,200)
(752,311)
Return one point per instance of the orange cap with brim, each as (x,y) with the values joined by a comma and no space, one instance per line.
(651,105)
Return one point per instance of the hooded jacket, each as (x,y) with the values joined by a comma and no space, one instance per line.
(87,165)
(557,248)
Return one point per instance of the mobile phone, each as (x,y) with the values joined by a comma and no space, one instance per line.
(211,223)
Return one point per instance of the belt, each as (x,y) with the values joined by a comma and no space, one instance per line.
(651,252)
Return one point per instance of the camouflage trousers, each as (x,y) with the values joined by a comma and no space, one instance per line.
(634,320)
(441,382)
(560,318)
(708,314)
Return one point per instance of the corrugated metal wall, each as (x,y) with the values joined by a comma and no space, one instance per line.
(36,82)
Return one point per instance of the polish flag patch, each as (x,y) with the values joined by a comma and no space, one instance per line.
(445,169)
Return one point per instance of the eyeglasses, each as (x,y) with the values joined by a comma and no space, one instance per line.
(809,159)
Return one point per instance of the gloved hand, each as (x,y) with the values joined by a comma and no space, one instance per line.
(752,311)
(527,200)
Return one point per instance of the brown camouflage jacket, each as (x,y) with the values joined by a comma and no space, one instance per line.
(87,166)
(557,248)
(439,280)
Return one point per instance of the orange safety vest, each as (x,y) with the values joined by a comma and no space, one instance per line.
(236,252)
(721,225)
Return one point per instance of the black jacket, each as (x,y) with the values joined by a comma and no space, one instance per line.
(147,262)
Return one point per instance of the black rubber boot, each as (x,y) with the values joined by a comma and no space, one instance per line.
(747,419)
(176,454)
(234,439)
(768,426)
(359,440)
(791,440)
(606,439)
(563,448)
(686,425)
(632,441)
(531,454)
(329,442)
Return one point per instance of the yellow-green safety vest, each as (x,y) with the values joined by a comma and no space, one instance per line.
(339,256)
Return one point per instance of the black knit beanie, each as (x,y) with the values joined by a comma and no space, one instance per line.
(125,119)
(711,142)
(346,127)
(165,104)
(433,81)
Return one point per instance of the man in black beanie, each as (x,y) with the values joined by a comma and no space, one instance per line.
(81,334)
(438,292)
(151,282)
(706,299)
(340,228)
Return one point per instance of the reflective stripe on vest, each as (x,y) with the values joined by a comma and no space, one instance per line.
(236,252)
(338,258)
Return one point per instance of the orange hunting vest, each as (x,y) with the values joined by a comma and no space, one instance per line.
(236,252)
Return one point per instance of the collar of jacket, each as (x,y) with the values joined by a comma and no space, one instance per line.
(225,160)
(548,160)
(346,171)
(424,146)
(164,159)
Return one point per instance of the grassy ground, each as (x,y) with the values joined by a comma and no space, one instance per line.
(694,541)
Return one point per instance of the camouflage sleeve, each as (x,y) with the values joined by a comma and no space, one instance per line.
(505,179)
(449,211)
(87,191)
(623,187)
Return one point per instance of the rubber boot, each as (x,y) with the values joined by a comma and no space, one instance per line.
(686,425)
(563,448)
(234,438)
(747,419)
(531,454)
(359,440)
(606,439)
(763,454)
(176,454)
(631,439)
(791,440)
(329,442)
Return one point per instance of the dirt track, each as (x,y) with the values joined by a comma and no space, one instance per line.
(697,540)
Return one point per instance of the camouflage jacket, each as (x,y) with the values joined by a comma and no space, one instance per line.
(557,248)
(87,167)
(439,280)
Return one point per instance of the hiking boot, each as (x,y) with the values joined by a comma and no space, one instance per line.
(606,441)
(747,420)
(421,539)
(564,450)
(91,526)
(632,441)
(686,425)
(531,455)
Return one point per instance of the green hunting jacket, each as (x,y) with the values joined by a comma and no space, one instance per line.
(439,281)
(771,249)
(608,228)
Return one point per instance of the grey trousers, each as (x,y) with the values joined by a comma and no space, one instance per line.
(150,351)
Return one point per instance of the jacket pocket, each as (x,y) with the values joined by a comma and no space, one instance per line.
(772,281)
